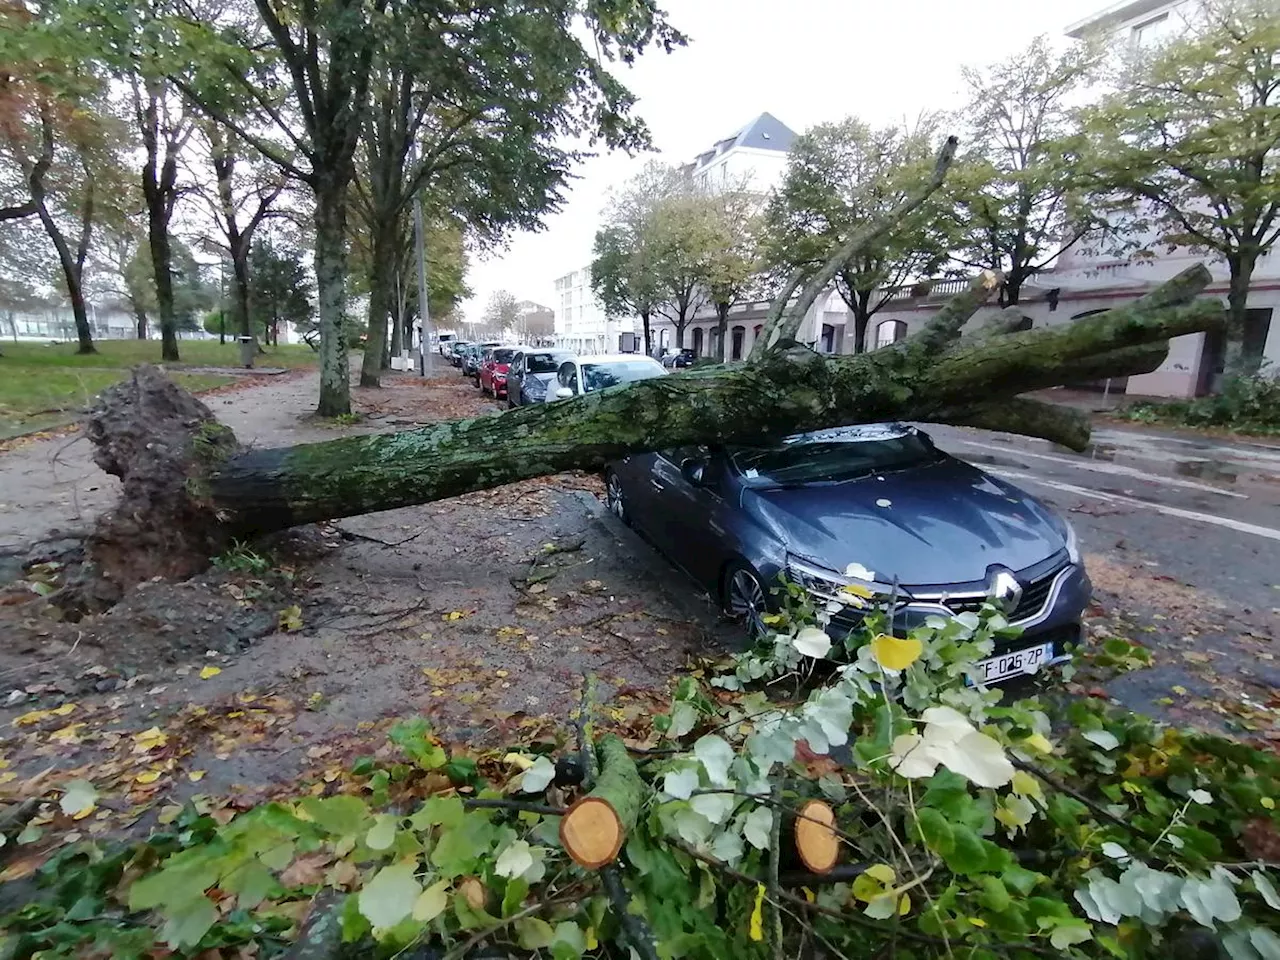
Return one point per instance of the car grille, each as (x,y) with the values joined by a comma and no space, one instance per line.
(1034,596)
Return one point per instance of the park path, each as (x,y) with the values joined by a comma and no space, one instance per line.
(53,485)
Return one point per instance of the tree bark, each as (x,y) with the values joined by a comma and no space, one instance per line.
(648,333)
(140,320)
(72,273)
(1241,266)
(927,377)
(159,176)
(371,366)
(331,285)
(722,330)
(158,239)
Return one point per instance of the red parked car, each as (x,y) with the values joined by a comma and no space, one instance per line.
(493,371)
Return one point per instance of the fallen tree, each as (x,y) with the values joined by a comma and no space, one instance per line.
(188,486)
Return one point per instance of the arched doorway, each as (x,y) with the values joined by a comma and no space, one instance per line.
(739,335)
(697,341)
(889,332)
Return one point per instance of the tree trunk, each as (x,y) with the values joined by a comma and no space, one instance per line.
(158,239)
(71,273)
(1241,266)
(331,287)
(195,499)
(722,330)
(371,366)
(140,319)
(593,830)
(680,325)
(648,333)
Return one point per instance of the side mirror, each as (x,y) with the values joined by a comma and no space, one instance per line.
(563,393)
(694,471)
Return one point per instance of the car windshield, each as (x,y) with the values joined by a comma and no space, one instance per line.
(501,355)
(597,376)
(543,362)
(834,455)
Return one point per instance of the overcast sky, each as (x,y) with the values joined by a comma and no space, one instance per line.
(804,61)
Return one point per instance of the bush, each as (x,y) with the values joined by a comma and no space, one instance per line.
(1249,404)
(969,827)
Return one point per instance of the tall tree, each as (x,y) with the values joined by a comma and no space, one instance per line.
(683,237)
(280,290)
(841,177)
(57,131)
(502,312)
(1017,196)
(733,268)
(621,276)
(243,196)
(1188,147)
(329,50)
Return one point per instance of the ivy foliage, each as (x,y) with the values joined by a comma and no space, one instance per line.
(972,825)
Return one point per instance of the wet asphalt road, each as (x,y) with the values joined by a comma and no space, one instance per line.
(1203,511)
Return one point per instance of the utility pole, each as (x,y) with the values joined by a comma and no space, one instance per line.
(424,312)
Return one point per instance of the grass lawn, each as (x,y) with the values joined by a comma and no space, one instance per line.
(127,353)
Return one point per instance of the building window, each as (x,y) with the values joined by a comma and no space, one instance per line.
(1152,32)
(697,341)
(739,336)
(890,331)
(664,337)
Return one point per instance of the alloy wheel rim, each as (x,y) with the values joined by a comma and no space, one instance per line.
(746,600)
(613,493)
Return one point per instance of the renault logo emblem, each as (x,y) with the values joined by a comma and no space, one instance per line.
(1005,588)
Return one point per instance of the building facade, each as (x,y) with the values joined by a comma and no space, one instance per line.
(1083,281)
(581,323)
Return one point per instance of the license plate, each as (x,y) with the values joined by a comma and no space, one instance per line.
(1014,663)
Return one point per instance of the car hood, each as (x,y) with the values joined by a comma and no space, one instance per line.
(938,524)
(501,367)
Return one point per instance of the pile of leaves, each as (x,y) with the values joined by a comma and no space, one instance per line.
(1246,404)
(969,826)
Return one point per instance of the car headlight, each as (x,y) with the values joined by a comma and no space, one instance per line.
(830,585)
(1073,543)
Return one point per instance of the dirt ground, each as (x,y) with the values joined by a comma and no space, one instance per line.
(483,614)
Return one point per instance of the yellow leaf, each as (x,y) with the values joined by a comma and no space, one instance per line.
(757,915)
(857,590)
(882,872)
(33,716)
(148,740)
(148,776)
(977,921)
(1038,743)
(904,905)
(195,776)
(893,653)
(207,672)
(68,734)
(518,760)
(1179,690)
(809,895)
(1025,785)
(290,619)
(1268,803)
(592,942)
(63,710)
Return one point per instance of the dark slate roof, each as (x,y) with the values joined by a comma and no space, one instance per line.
(765,132)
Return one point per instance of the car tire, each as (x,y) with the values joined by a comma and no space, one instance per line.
(743,597)
(614,497)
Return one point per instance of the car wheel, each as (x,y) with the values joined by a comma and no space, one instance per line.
(745,598)
(614,498)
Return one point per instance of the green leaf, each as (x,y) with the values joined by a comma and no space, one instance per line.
(184,880)
(513,896)
(354,924)
(460,850)
(949,793)
(431,902)
(993,896)
(569,942)
(935,830)
(534,933)
(461,771)
(342,816)
(382,834)
(390,896)
(969,853)
(185,925)
(252,883)
(446,812)
(77,797)
(1069,932)
(1019,879)
(278,856)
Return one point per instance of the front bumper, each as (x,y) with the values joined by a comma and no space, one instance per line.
(1055,595)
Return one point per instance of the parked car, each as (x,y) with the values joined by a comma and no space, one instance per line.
(864,506)
(580,375)
(444,343)
(474,357)
(531,371)
(494,369)
(680,359)
(453,351)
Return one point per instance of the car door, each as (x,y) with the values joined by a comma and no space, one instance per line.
(689,517)
(515,381)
